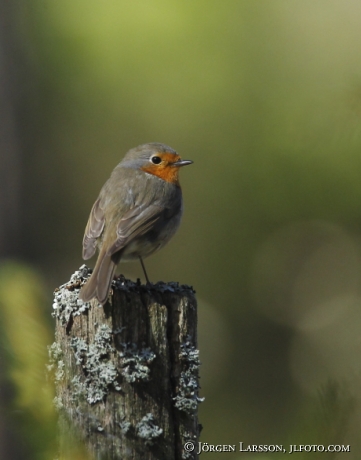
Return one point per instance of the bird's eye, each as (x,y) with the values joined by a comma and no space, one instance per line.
(156,160)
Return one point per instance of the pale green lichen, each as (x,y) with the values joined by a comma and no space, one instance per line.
(56,366)
(79,389)
(187,399)
(55,352)
(147,430)
(100,372)
(80,349)
(58,403)
(135,363)
(60,372)
(66,297)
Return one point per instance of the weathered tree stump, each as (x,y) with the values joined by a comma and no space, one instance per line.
(126,374)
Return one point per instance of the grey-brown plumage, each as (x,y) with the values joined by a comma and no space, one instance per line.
(137,212)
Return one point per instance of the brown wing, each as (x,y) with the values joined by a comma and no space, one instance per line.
(136,222)
(93,230)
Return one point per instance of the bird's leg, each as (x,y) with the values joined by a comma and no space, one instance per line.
(145,273)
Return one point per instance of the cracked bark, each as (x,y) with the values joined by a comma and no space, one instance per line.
(150,363)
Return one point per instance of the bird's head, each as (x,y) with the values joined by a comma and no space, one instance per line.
(157,159)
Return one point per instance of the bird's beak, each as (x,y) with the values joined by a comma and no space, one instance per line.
(180,163)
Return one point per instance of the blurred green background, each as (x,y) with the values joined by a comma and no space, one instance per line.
(265,98)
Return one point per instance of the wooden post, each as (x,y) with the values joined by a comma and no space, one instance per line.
(127,374)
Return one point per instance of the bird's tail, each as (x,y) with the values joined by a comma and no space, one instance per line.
(98,285)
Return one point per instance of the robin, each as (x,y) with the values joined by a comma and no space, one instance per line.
(137,212)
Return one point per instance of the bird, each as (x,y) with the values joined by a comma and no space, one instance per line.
(137,212)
